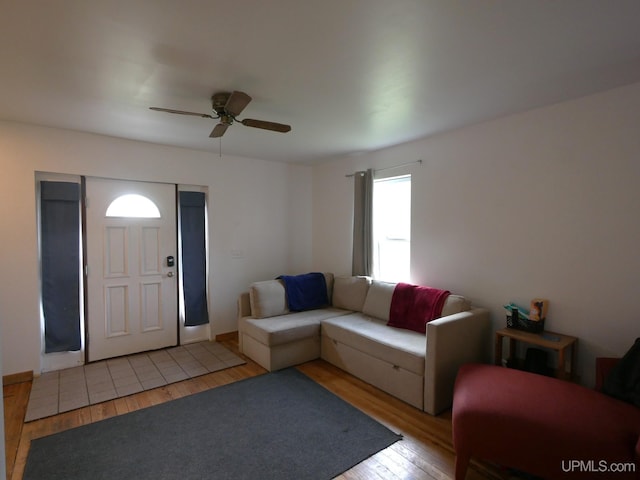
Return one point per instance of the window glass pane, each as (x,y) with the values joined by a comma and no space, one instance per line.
(392,228)
(133,206)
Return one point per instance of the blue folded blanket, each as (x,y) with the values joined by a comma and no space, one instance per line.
(306,291)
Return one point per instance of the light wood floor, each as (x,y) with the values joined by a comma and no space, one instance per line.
(425,453)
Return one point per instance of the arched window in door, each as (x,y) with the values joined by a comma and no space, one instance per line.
(133,206)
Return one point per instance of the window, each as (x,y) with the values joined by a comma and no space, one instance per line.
(133,206)
(392,228)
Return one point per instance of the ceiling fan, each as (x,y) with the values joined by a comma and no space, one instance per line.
(227,106)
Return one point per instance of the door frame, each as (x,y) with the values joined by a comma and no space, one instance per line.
(62,360)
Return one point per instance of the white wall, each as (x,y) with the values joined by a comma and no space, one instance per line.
(539,204)
(258,210)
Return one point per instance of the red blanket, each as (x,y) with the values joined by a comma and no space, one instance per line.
(412,306)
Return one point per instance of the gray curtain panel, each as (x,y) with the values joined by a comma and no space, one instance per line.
(60,257)
(194,258)
(362,262)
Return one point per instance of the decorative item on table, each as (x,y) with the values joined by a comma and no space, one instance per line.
(538,309)
(527,320)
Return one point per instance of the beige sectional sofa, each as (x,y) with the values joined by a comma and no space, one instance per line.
(353,334)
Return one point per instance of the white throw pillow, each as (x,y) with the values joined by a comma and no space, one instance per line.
(378,301)
(268,299)
(350,292)
(455,304)
(328,277)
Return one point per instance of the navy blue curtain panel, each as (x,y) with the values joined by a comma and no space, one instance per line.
(60,256)
(194,269)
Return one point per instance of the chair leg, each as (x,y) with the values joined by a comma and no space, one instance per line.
(462,462)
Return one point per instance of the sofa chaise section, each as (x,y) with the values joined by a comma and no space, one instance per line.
(271,335)
(284,340)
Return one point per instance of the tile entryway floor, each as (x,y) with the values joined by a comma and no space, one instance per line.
(65,390)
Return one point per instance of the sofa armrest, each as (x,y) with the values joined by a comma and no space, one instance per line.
(452,341)
(244,305)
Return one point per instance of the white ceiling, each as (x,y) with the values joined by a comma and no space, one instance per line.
(349,75)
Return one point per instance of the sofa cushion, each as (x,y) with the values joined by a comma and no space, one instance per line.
(404,348)
(287,328)
(350,292)
(328,277)
(455,304)
(268,299)
(378,301)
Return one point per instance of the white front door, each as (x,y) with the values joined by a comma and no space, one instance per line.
(131,285)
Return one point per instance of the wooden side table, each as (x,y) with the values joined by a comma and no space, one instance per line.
(554,341)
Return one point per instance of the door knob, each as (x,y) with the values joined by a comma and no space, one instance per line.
(169,274)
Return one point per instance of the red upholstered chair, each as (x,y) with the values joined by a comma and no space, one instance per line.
(603,367)
(541,425)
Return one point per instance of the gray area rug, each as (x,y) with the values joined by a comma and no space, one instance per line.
(66,390)
(281,425)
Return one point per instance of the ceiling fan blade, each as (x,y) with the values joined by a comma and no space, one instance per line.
(219,130)
(276,127)
(236,103)
(181,112)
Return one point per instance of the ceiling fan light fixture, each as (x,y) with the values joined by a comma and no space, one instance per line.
(218,101)
(226,119)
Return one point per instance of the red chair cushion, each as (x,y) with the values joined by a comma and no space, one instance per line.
(539,424)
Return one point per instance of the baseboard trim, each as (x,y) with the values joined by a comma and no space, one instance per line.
(17,378)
